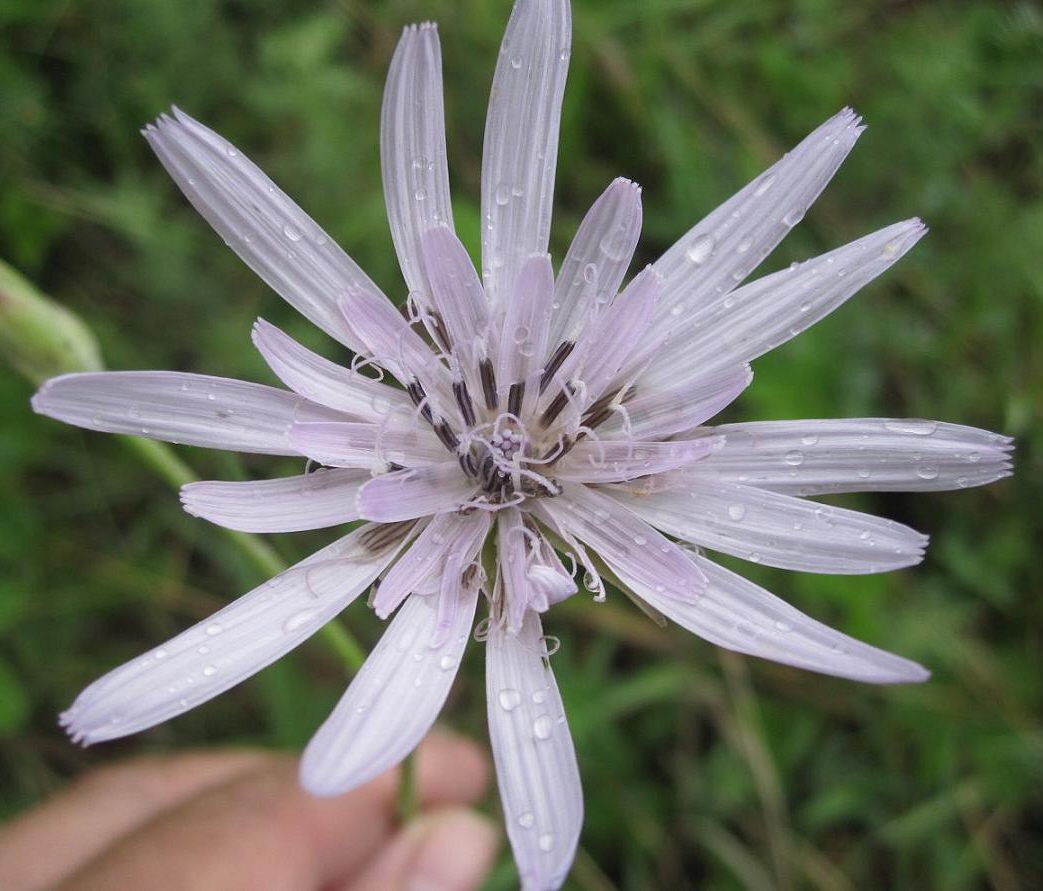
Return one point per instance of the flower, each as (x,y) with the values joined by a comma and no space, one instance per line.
(546,426)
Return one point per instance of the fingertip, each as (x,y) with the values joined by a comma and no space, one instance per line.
(456,853)
(451,769)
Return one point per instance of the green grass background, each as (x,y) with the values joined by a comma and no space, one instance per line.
(701,769)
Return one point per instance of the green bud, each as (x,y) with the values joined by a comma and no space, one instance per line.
(39,337)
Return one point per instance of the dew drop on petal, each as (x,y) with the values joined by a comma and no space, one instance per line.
(793,217)
(503,194)
(291,233)
(214,628)
(736,511)
(545,841)
(700,249)
(297,620)
(590,273)
(783,627)
(765,184)
(794,458)
(509,699)
(927,472)
(916,428)
(526,820)
(210,671)
(447,662)
(542,727)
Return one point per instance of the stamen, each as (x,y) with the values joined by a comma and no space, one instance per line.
(379,537)
(514,398)
(488,376)
(560,355)
(445,433)
(419,397)
(463,399)
(557,405)
(439,332)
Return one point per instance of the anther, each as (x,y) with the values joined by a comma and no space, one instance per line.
(438,331)
(557,405)
(376,538)
(463,399)
(488,376)
(560,355)
(445,433)
(419,397)
(514,398)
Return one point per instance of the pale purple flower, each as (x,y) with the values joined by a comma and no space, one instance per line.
(547,426)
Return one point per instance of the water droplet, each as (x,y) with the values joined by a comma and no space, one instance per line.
(203,650)
(210,671)
(783,627)
(865,535)
(214,628)
(794,458)
(297,620)
(927,472)
(526,820)
(766,183)
(640,540)
(590,273)
(420,194)
(509,699)
(974,457)
(232,152)
(916,428)
(516,62)
(793,217)
(736,511)
(503,194)
(809,440)
(700,249)
(743,246)
(864,473)
(539,696)
(564,54)
(291,233)
(545,841)
(447,662)
(159,653)
(542,727)
(806,306)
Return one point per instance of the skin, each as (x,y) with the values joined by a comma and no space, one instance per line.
(238,821)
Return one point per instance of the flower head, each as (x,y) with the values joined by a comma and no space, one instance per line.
(544,426)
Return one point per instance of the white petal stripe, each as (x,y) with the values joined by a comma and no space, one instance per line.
(188,409)
(417,492)
(392,702)
(535,761)
(521,140)
(858,455)
(230,646)
(721,250)
(737,614)
(778,530)
(272,235)
(290,504)
(412,148)
(325,382)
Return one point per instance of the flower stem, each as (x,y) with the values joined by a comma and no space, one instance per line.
(407,792)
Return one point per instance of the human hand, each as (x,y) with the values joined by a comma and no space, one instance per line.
(239,821)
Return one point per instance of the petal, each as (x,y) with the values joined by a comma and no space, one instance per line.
(766,313)
(456,290)
(721,250)
(521,140)
(858,455)
(535,762)
(272,235)
(641,557)
(446,533)
(736,614)
(511,548)
(417,492)
(653,413)
(231,645)
(347,444)
(612,461)
(412,148)
(523,341)
(778,530)
(292,504)
(323,381)
(188,409)
(392,702)
(597,259)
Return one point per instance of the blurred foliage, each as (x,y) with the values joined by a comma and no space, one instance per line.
(702,769)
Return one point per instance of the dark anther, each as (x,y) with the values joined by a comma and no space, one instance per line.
(467,464)
(463,399)
(445,433)
(514,398)
(419,397)
(376,538)
(485,370)
(441,336)
(557,405)
(601,410)
(560,355)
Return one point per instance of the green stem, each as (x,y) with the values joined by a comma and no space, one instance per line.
(407,794)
